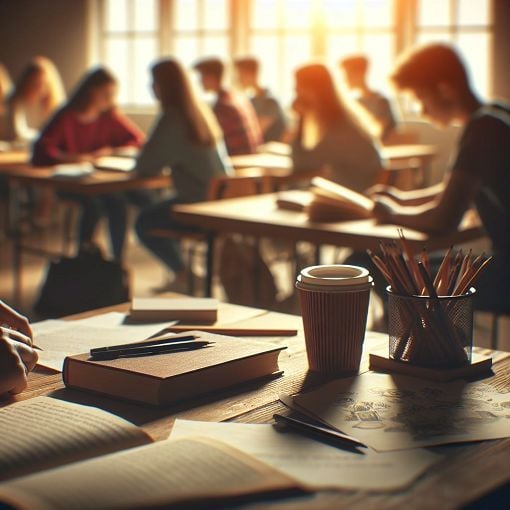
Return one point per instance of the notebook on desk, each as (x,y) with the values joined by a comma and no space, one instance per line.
(172,377)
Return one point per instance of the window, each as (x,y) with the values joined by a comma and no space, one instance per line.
(465,23)
(284,34)
(129,42)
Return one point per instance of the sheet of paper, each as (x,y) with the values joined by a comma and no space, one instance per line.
(59,339)
(311,462)
(395,412)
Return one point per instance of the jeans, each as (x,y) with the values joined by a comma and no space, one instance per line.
(167,250)
(114,207)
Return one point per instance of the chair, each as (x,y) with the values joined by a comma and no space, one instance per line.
(219,188)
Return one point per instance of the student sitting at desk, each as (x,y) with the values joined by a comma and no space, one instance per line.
(36,95)
(234,112)
(187,139)
(437,77)
(87,127)
(328,135)
(17,356)
(271,117)
(374,103)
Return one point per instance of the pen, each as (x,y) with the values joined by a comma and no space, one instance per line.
(165,339)
(320,433)
(151,350)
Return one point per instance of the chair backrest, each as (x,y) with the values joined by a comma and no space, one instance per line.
(235,187)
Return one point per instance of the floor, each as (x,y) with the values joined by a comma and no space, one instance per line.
(147,273)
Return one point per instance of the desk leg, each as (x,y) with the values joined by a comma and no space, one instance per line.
(209,265)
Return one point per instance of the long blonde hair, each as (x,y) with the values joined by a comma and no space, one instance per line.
(175,92)
(5,87)
(44,66)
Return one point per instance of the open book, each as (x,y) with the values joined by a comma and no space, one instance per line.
(58,455)
(333,202)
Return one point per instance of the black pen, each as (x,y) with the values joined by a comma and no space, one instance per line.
(164,339)
(150,350)
(320,433)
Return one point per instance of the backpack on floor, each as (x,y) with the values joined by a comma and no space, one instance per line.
(81,283)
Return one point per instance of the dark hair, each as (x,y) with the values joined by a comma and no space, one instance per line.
(427,66)
(175,92)
(249,64)
(95,78)
(211,66)
(355,64)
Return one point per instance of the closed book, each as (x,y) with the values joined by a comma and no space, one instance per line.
(190,310)
(172,377)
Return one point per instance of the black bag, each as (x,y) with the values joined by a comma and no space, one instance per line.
(82,283)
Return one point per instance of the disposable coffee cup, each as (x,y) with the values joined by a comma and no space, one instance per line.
(334,305)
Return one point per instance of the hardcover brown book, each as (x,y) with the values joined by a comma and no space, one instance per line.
(172,377)
(190,310)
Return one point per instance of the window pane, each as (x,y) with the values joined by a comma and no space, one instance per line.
(216,46)
(216,15)
(296,52)
(186,49)
(116,15)
(264,14)
(297,13)
(266,49)
(117,51)
(340,46)
(434,13)
(473,12)
(379,50)
(475,48)
(186,14)
(377,13)
(144,54)
(145,15)
(341,13)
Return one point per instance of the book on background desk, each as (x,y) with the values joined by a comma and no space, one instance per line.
(333,202)
(57,455)
(115,163)
(172,377)
(188,310)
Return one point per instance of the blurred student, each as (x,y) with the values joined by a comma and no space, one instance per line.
(234,112)
(5,87)
(272,120)
(36,95)
(17,356)
(328,134)
(187,139)
(87,127)
(480,174)
(374,103)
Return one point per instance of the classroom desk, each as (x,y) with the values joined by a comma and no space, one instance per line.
(14,157)
(99,182)
(467,473)
(259,216)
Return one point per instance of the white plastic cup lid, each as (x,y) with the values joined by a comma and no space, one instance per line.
(335,275)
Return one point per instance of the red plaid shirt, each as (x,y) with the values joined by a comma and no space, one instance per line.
(239,123)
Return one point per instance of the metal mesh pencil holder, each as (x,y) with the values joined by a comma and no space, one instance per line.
(431,332)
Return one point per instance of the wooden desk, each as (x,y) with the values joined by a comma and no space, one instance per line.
(259,216)
(467,472)
(14,157)
(97,183)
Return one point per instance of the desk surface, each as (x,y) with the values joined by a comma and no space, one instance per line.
(283,161)
(467,472)
(101,181)
(14,157)
(260,217)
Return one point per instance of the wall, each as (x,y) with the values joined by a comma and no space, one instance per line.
(53,28)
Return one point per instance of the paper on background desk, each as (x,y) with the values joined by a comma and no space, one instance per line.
(58,338)
(396,412)
(313,463)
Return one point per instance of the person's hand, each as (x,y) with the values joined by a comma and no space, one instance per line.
(17,359)
(104,151)
(12,319)
(383,211)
